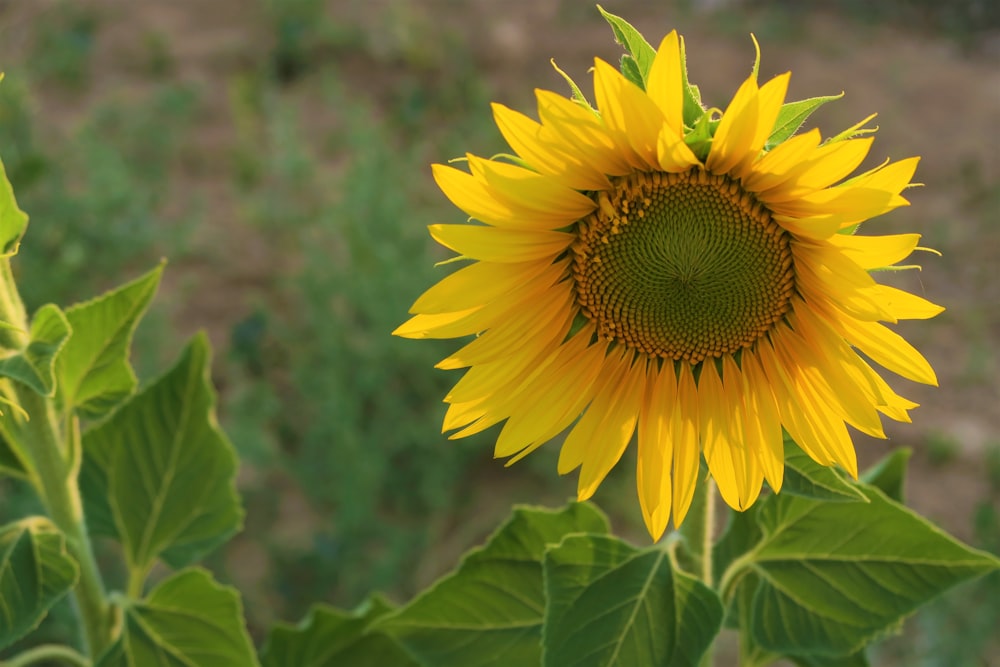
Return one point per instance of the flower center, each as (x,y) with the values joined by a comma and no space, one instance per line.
(682,266)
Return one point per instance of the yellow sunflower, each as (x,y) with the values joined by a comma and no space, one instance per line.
(631,272)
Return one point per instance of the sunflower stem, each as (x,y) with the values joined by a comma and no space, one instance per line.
(707,520)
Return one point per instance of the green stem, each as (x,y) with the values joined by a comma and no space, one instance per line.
(57,486)
(707,519)
(44,653)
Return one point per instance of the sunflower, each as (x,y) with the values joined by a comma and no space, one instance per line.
(639,268)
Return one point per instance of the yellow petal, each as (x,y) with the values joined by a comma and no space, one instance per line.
(887,348)
(632,119)
(615,430)
(874,252)
(579,131)
(769,101)
(443,325)
(736,130)
(826,275)
(817,227)
(475,285)
(530,141)
(854,204)
(777,165)
(500,245)
(470,195)
(664,85)
(672,154)
(580,440)
(827,165)
(906,306)
(540,200)
(763,426)
(687,451)
(655,454)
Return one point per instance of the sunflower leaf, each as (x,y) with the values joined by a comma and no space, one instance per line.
(13,221)
(329,637)
(631,71)
(188,619)
(502,582)
(612,605)
(35,572)
(889,474)
(642,54)
(159,474)
(836,576)
(792,115)
(808,479)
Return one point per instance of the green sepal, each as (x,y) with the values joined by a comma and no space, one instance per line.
(329,637)
(503,582)
(35,572)
(94,371)
(808,479)
(791,117)
(638,62)
(13,221)
(612,605)
(159,474)
(33,366)
(188,620)
(699,139)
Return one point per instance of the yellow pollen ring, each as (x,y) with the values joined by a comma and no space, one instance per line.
(682,266)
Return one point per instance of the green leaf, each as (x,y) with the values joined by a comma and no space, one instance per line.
(836,576)
(35,572)
(94,372)
(740,537)
(489,612)
(635,44)
(630,70)
(610,604)
(329,637)
(13,220)
(808,479)
(792,115)
(33,365)
(189,620)
(889,474)
(12,462)
(163,470)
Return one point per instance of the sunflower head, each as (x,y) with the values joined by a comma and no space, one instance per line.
(645,265)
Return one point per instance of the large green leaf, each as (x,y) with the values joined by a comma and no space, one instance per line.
(804,477)
(163,470)
(835,576)
(329,637)
(489,612)
(35,571)
(13,220)
(612,605)
(33,365)
(94,372)
(187,621)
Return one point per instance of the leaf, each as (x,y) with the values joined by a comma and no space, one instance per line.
(835,576)
(889,474)
(94,371)
(189,620)
(792,115)
(489,612)
(35,572)
(11,461)
(610,604)
(808,479)
(162,470)
(635,44)
(13,220)
(33,366)
(740,537)
(630,70)
(329,637)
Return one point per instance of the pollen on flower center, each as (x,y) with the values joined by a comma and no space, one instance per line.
(682,266)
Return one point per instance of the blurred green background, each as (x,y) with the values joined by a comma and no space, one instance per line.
(277,152)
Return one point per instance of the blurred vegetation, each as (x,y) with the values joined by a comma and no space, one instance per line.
(315,392)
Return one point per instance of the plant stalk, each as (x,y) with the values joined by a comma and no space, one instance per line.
(707,519)
(57,485)
(45,654)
